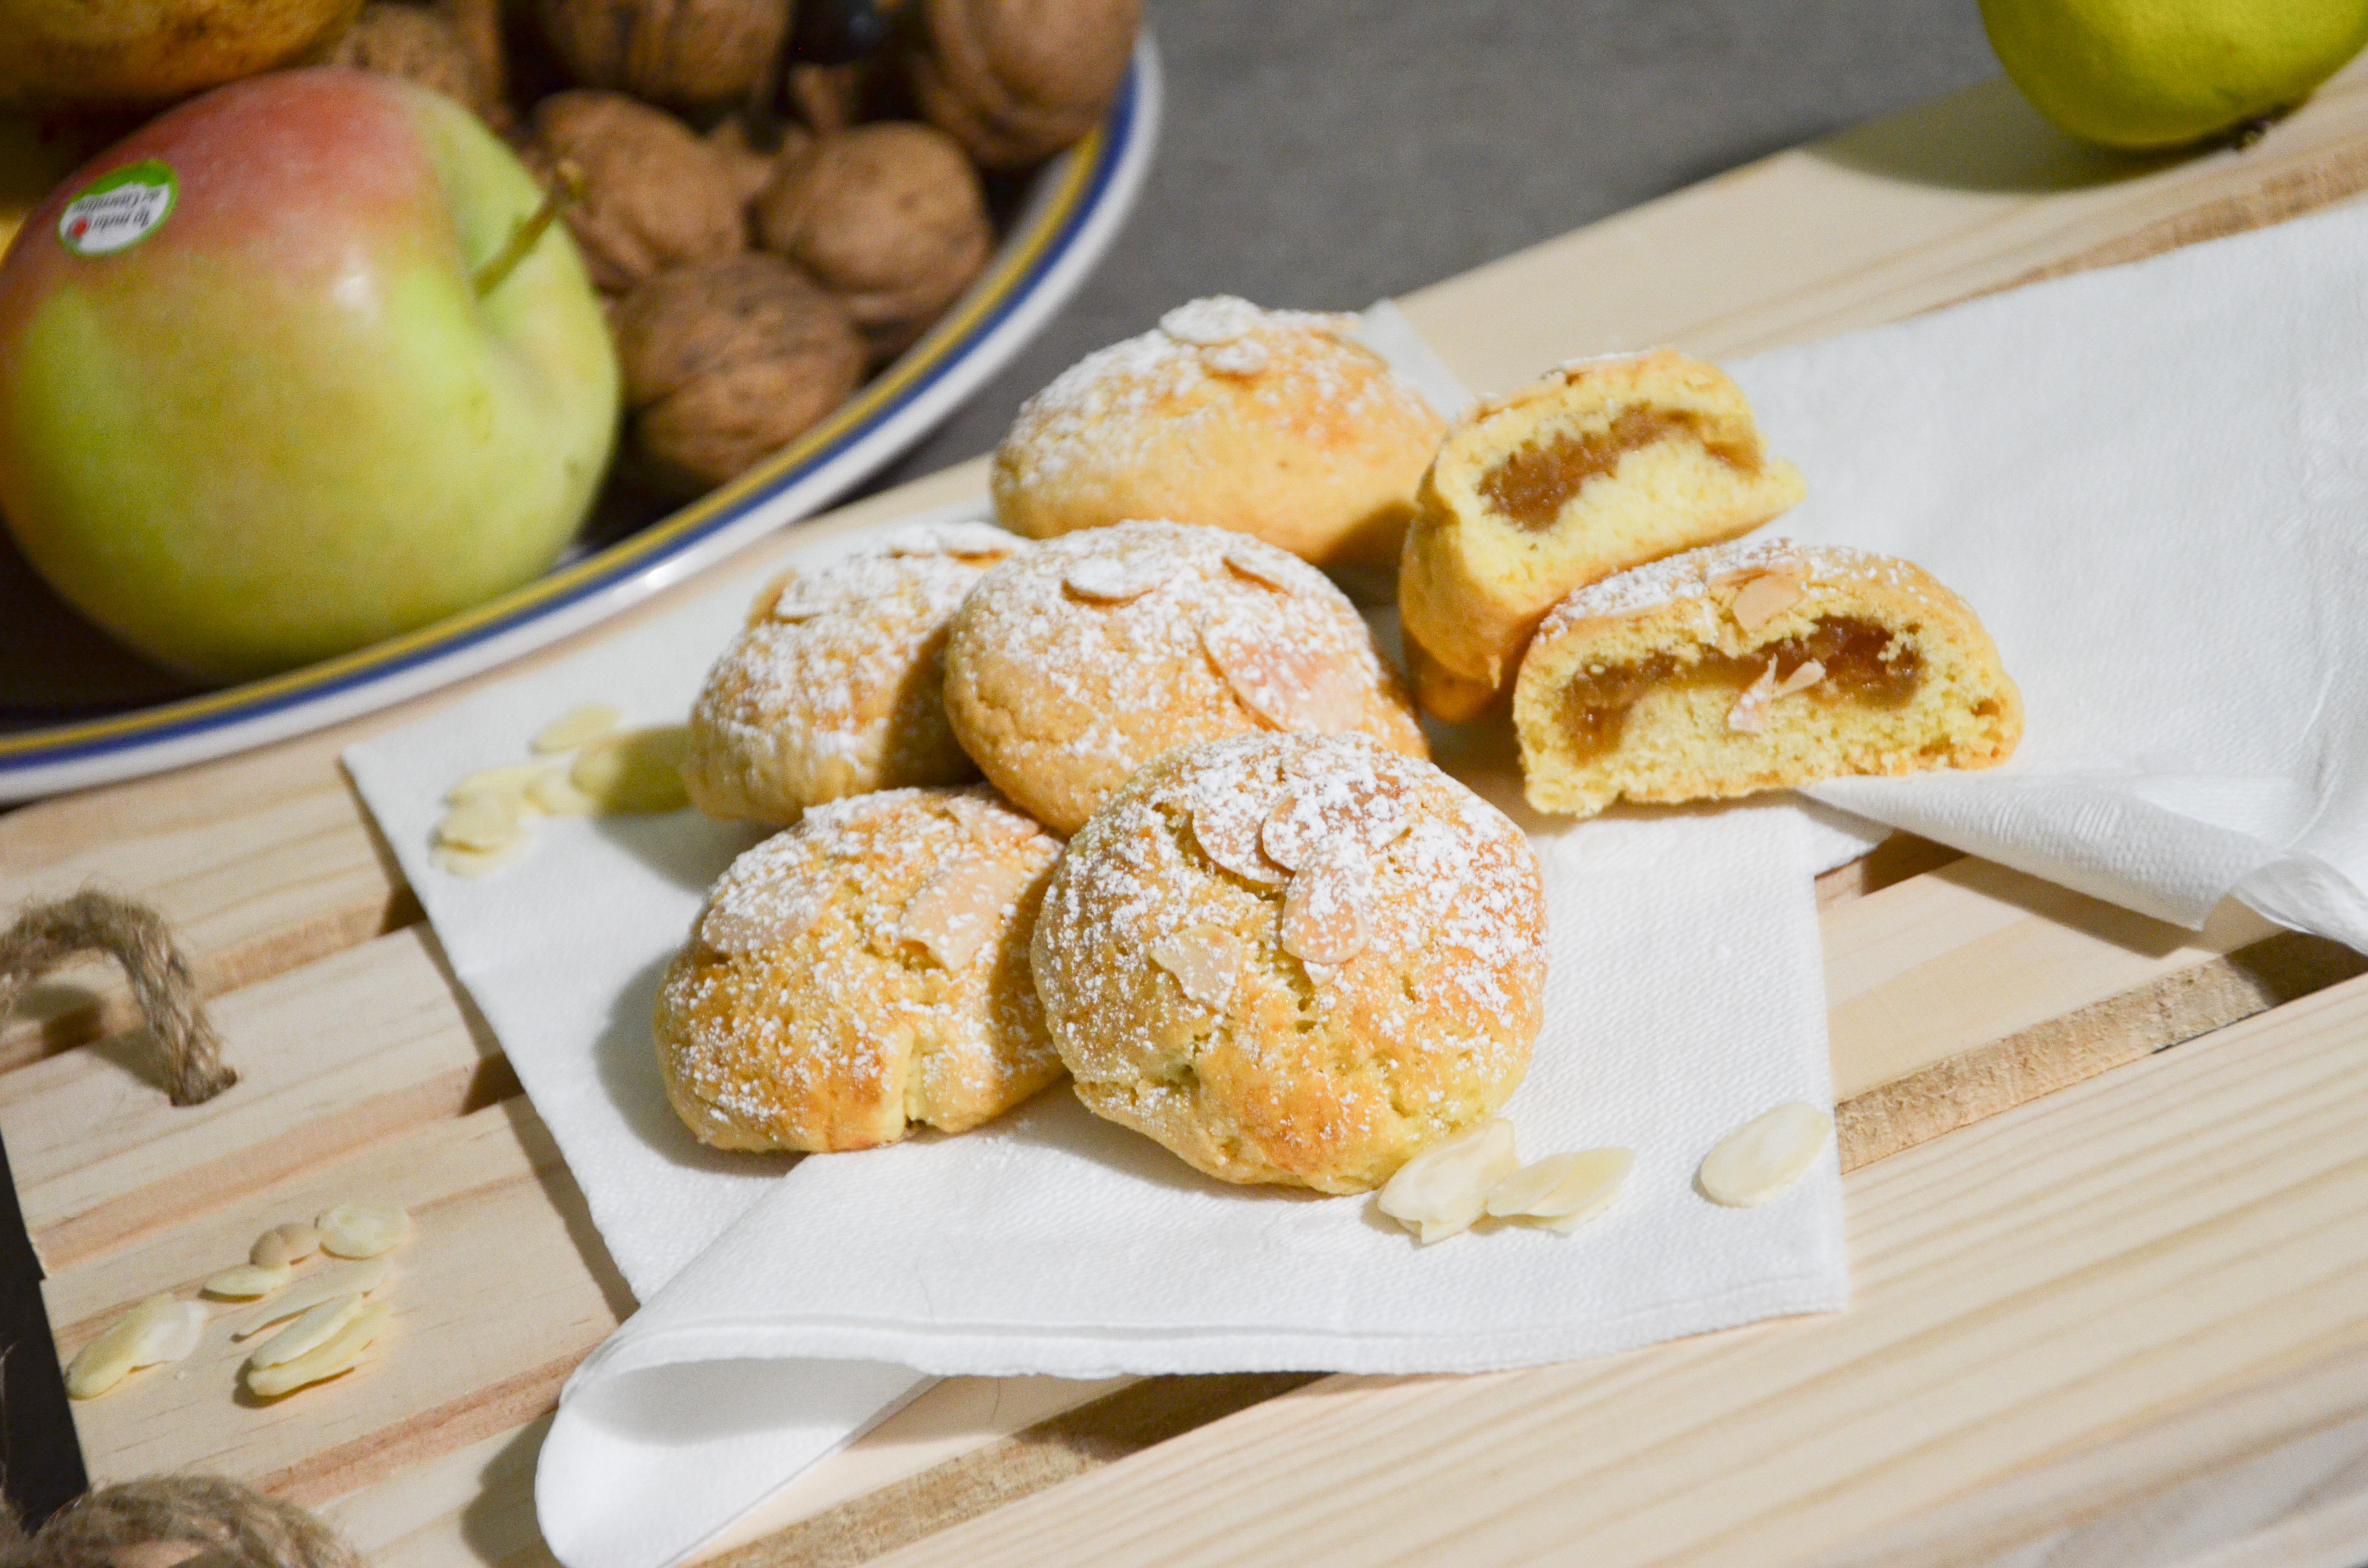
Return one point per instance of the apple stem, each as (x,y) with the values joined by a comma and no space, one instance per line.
(565,191)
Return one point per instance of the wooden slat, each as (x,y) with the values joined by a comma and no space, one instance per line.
(358,1047)
(1854,231)
(2119,1252)
(501,1291)
(1963,195)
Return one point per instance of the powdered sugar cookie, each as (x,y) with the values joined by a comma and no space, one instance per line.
(1072,665)
(862,973)
(1273,423)
(834,686)
(1295,959)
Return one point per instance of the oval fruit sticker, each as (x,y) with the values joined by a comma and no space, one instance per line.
(119,210)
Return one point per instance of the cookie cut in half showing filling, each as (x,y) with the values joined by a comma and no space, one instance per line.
(1295,959)
(1756,665)
(1604,465)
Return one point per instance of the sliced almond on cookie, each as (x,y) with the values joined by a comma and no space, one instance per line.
(956,912)
(1326,916)
(1281,676)
(1360,807)
(1204,960)
(750,920)
(1266,574)
(1228,829)
(1765,597)
(1116,580)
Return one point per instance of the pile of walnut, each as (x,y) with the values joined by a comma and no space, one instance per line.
(778,195)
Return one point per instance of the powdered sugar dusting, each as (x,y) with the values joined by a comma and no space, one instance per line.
(1695,573)
(863,968)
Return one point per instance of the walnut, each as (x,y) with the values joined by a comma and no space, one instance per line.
(1015,81)
(419,45)
(728,361)
(655,195)
(748,163)
(890,217)
(677,51)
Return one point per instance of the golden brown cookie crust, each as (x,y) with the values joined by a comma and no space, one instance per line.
(1276,424)
(1295,959)
(1602,465)
(1072,665)
(863,973)
(1759,665)
(835,686)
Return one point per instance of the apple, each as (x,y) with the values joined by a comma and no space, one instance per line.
(298,367)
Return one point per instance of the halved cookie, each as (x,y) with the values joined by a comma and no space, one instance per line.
(1604,465)
(1756,665)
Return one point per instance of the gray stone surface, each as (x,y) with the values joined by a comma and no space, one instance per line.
(1324,153)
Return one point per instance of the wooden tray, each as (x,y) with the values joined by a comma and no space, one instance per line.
(2111,1300)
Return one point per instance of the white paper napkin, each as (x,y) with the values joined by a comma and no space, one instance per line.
(792,1305)
(2152,482)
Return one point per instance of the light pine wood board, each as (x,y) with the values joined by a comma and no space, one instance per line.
(2107,1256)
(269,863)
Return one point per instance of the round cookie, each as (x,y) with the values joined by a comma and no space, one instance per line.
(1295,959)
(833,688)
(863,972)
(1074,664)
(1272,423)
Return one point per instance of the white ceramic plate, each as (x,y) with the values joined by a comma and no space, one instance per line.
(1071,214)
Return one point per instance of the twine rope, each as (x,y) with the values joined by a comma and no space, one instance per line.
(49,934)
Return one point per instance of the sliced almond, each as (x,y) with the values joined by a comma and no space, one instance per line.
(1441,1190)
(1803,677)
(587,722)
(472,863)
(1757,700)
(341,1352)
(1358,807)
(482,822)
(1325,913)
(1116,580)
(752,920)
(1765,1156)
(1259,568)
(553,793)
(1563,1192)
(635,771)
(1281,677)
(170,1333)
(284,1244)
(970,539)
(990,825)
(1228,828)
(337,1279)
(314,1326)
(510,778)
(1765,597)
(799,596)
(957,911)
(1204,960)
(108,1359)
(363,1230)
(246,1282)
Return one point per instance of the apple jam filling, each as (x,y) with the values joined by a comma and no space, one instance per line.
(1863,662)
(1531,485)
